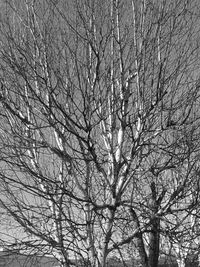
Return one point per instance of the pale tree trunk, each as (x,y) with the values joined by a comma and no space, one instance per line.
(181,262)
(55,203)
(181,254)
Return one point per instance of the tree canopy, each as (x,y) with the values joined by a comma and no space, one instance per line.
(99,128)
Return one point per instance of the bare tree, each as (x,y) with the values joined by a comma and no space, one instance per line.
(99,124)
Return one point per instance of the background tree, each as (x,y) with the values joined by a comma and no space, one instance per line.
(99,124)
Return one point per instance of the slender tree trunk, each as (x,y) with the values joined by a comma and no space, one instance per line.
(154,239)
(139,240)
(141,249)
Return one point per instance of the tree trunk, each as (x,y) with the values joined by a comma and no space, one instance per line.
(139,241)
(181,262)
(154,239)
(141,250)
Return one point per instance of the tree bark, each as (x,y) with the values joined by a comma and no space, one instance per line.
(154,239)
(154,242)
(139,240)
